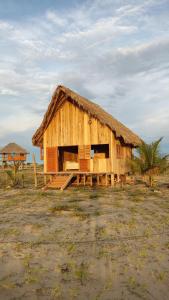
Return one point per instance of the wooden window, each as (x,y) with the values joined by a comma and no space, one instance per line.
(119,151)
(52,159)
(100,151)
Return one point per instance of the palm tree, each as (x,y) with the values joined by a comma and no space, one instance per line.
(149,160)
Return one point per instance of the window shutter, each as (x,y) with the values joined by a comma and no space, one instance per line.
(84,165)
(84,157)
(52,159)
(84,151)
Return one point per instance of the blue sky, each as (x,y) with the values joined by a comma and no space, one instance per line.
(113,52)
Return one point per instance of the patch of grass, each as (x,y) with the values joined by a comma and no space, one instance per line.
(132,223)
(147,232)
(71,248)
(37,226)
(136,193)
(160,275)
(118,204)
(143,253)
(33,244)
(100,231)
(78,208)
(26,260)
(133,209)
(97,213)
(44,194)
(18,247)
(125,249)
(132,282)
(10,232)
(75,200)
(11,202)
(137,199)
(103,253)
(30,278)
(73,293)
(167,245)
(139,264)
(81,216)
(32,274)
(56,292)
(66,268)
(59,208)
(82,272)
(94,196)
(6,284)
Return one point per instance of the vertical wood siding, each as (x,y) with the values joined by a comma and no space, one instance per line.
(71,126)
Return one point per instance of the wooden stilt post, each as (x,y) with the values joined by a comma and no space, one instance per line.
(45,180)
(120,180)
(106,179)
(112,180)
(91,180)
(35,171)
(97,179)
(84,179)
(78,179)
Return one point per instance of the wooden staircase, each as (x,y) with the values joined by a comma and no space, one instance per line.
(59,182)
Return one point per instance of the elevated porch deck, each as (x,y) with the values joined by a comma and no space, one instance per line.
(78,178)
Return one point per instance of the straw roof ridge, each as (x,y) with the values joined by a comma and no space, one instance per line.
(13,148)
(93,109)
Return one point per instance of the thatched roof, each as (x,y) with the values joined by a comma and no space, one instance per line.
(13,148)
(61,94)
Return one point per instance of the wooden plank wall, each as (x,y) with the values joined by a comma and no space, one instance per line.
(71,126)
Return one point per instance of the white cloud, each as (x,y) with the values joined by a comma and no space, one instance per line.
(8,92)
(55,18)
(19,122)
(113,53)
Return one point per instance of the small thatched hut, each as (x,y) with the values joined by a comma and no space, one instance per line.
(13,153)
(77,135)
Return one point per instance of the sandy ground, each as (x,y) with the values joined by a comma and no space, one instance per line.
(84,243)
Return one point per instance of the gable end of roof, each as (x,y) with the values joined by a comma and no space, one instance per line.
(94,110)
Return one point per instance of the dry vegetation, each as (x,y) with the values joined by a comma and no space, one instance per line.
(84,243)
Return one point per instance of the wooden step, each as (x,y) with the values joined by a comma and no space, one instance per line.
(59,181)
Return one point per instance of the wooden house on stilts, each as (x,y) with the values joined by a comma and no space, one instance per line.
(13,153)
(81,143)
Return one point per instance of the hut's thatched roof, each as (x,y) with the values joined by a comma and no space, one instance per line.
(92,109)
(13,148)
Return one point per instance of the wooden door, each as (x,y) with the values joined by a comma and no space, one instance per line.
(52,159)
(84,158)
